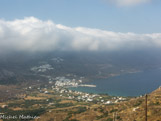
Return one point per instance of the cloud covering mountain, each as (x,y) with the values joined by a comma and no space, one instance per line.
(32,34)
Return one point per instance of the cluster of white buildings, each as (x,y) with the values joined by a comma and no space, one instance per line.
(82,96)
(61,88)
(57,59)
(86,97)
(63,82)
(42,68)
(76,95)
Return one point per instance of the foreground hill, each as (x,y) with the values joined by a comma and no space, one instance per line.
(135,108)
(50,103)
(131,110)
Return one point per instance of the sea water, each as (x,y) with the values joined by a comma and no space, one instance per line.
(131,84)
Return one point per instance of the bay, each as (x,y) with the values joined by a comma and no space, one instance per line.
(131,84)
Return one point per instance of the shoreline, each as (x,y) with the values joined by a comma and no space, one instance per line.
(86,85)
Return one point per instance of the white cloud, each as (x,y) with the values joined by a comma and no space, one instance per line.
(128,2)
(32,34)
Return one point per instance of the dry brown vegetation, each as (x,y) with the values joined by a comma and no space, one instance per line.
(63,109)
(132,110)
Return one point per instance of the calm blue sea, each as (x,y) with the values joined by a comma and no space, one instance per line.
(133,84)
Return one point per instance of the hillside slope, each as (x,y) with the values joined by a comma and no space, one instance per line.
(132,110)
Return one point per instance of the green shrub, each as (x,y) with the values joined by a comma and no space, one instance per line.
(109,119)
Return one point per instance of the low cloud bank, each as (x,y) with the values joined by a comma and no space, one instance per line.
(32,34)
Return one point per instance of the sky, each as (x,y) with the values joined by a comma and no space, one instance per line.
(40,25)
(143,16)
